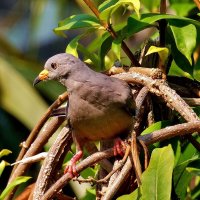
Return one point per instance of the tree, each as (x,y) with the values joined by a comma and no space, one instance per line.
(162,159)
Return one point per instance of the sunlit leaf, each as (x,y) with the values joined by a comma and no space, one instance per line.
(19,180)
(116,48)
(185,38)
(72,46)
(110,9)
(163,52)
(4,152)
(157,179)
(3,164)
(194,171)
(78,21)
(146,20)
(135,195)
(156,126)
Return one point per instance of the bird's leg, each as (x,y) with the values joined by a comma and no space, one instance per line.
(71,167)
(119,147)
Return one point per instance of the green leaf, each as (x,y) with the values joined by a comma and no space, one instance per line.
(22,102)
(78,21)
(116,48)
(108,8)
(196,72)
(181,177)
(157,179)
(135,195)
(72,46)
(163,52)
(156,126)
(19,180)
(4,152)
(146,20)
(3,164)
(193,171)
(185,38)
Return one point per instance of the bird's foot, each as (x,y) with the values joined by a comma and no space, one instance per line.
(119,147)
(71,167)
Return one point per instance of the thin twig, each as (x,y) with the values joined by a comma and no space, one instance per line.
(109,28)
(36,147)
(146,154)
(62,98)
(91,160)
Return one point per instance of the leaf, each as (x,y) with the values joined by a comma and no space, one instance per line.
(116,48)
(3,164)
(108,8)
(185,38)
(78,21)
(146,20)
(18,97)
(156,126)
(72,46)
(4,152)
(19,180)
(193,171)
(181,177)
(135,195)
(163,52)
(157,179)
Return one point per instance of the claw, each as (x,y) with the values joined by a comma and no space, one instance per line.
(71,167)
(119,147)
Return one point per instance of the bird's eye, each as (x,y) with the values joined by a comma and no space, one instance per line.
(53,65)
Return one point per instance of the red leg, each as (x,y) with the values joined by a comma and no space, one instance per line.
(119,147)
(71,167)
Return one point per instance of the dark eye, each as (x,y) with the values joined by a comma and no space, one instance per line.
(54,65)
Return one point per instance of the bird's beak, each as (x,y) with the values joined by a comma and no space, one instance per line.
(41,77)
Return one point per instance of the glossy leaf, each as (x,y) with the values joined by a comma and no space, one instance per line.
(78,21)
(185,38)
(163,52)
(72,46)
(110,9)
(135,25)
(156,126)
(19,98)
(135,195)
(116,48)
(19,180)
(157,179)
(3,164)
(4,152)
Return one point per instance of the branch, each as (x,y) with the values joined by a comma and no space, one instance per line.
(91,160)
(36,147)
(48,168)
(109,28)
(171,131)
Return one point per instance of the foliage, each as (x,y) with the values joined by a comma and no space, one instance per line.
(174,166)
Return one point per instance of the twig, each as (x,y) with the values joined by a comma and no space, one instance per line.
(121,178)
(146,154)
(197,2)
(109,28)
(44,178)
(170,132)
(36,147)
(192,101)
(161,89)
(135,157)
(62,98)
(91,160)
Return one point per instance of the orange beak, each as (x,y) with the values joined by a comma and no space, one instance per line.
(43,75)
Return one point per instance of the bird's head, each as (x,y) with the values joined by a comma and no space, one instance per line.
(58,67)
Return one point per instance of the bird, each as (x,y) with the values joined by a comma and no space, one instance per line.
(99,107)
